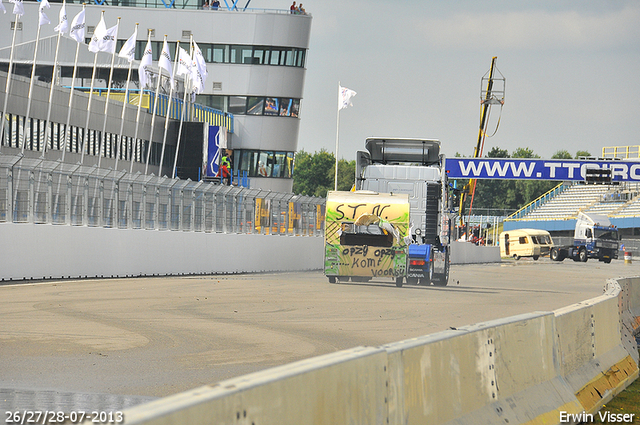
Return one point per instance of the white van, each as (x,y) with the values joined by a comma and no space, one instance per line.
(525,243)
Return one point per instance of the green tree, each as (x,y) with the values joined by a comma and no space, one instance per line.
(314,173)
(582,153)
(346,174)
(562,154)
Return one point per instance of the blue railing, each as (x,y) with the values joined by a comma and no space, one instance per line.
(199,113)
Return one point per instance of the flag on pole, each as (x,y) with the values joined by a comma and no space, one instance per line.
(104,39)
(199,69)
(63,23)
(128,50)
(145,63)
(184,64)
(44,19)
(345,96)
(2,7)
(77,27)
(18,7)
(165,60)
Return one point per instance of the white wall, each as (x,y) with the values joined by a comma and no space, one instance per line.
(36,251)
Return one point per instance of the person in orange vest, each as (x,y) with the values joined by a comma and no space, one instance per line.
(225,171)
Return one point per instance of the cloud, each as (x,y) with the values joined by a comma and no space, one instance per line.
(534,29)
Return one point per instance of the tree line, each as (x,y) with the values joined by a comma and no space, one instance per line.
(314,176)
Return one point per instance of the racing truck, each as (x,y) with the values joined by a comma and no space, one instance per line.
(416,168)
(593,237)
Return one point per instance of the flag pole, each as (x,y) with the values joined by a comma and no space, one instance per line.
(73,79)
(335,183)
(153,116)
(187,79)
(140,94)
(8,85)
(125,102)
(62,22)
(166,120)
(27,124)
(106,103)
(93,79)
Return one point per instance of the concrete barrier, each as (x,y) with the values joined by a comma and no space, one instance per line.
(44,251)
(537,368)
(347,387)
(468,253)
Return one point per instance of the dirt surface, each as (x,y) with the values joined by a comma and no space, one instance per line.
(158,336)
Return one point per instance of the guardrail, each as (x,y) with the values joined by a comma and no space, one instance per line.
(545,367)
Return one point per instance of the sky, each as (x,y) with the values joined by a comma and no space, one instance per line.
(572,72)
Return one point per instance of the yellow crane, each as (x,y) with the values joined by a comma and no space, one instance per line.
(492,95)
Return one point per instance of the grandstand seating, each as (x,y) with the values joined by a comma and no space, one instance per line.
(573,199)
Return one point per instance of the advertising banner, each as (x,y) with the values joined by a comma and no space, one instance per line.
(217,140)
(539,169)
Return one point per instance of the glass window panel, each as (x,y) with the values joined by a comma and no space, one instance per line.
(264,168)
(260,56)
(300,58)
(241,54)
(255,105)
(289,169)
(275,57)
(290,61)
(295,108)
(238,105)
(279,164)
(220,53)
(271,106)
(285,107)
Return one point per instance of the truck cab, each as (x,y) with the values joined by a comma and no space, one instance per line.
(597,235)
(594,237)
(413,167)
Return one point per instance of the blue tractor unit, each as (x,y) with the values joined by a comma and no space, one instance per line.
(414,167)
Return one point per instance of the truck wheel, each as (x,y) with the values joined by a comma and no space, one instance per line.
(607,260)
(582,255)
(399,282)
(555,255)
(332,279)
(516,257)
(535,257)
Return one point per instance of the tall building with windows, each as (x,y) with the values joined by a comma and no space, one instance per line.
(256,63)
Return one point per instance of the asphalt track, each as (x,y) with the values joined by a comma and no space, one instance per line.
(118,342)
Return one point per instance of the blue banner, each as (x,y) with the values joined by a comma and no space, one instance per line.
(539,169)
(215,142)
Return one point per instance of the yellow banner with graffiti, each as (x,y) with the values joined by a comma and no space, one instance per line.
(365,234)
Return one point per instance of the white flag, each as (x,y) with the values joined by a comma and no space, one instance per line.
(184,65)
(44,19)
(77,27)
(165,61)
(199,69)
(2,7)
(145,64)
(103,40)
(18,7)
(345,96)
(128,50)
(63,23)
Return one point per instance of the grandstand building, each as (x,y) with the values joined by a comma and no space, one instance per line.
(256,63)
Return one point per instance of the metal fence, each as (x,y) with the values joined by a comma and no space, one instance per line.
(52,192)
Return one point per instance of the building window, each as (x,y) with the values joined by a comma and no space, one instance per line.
(257,163)
(255,106)
(237,105)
